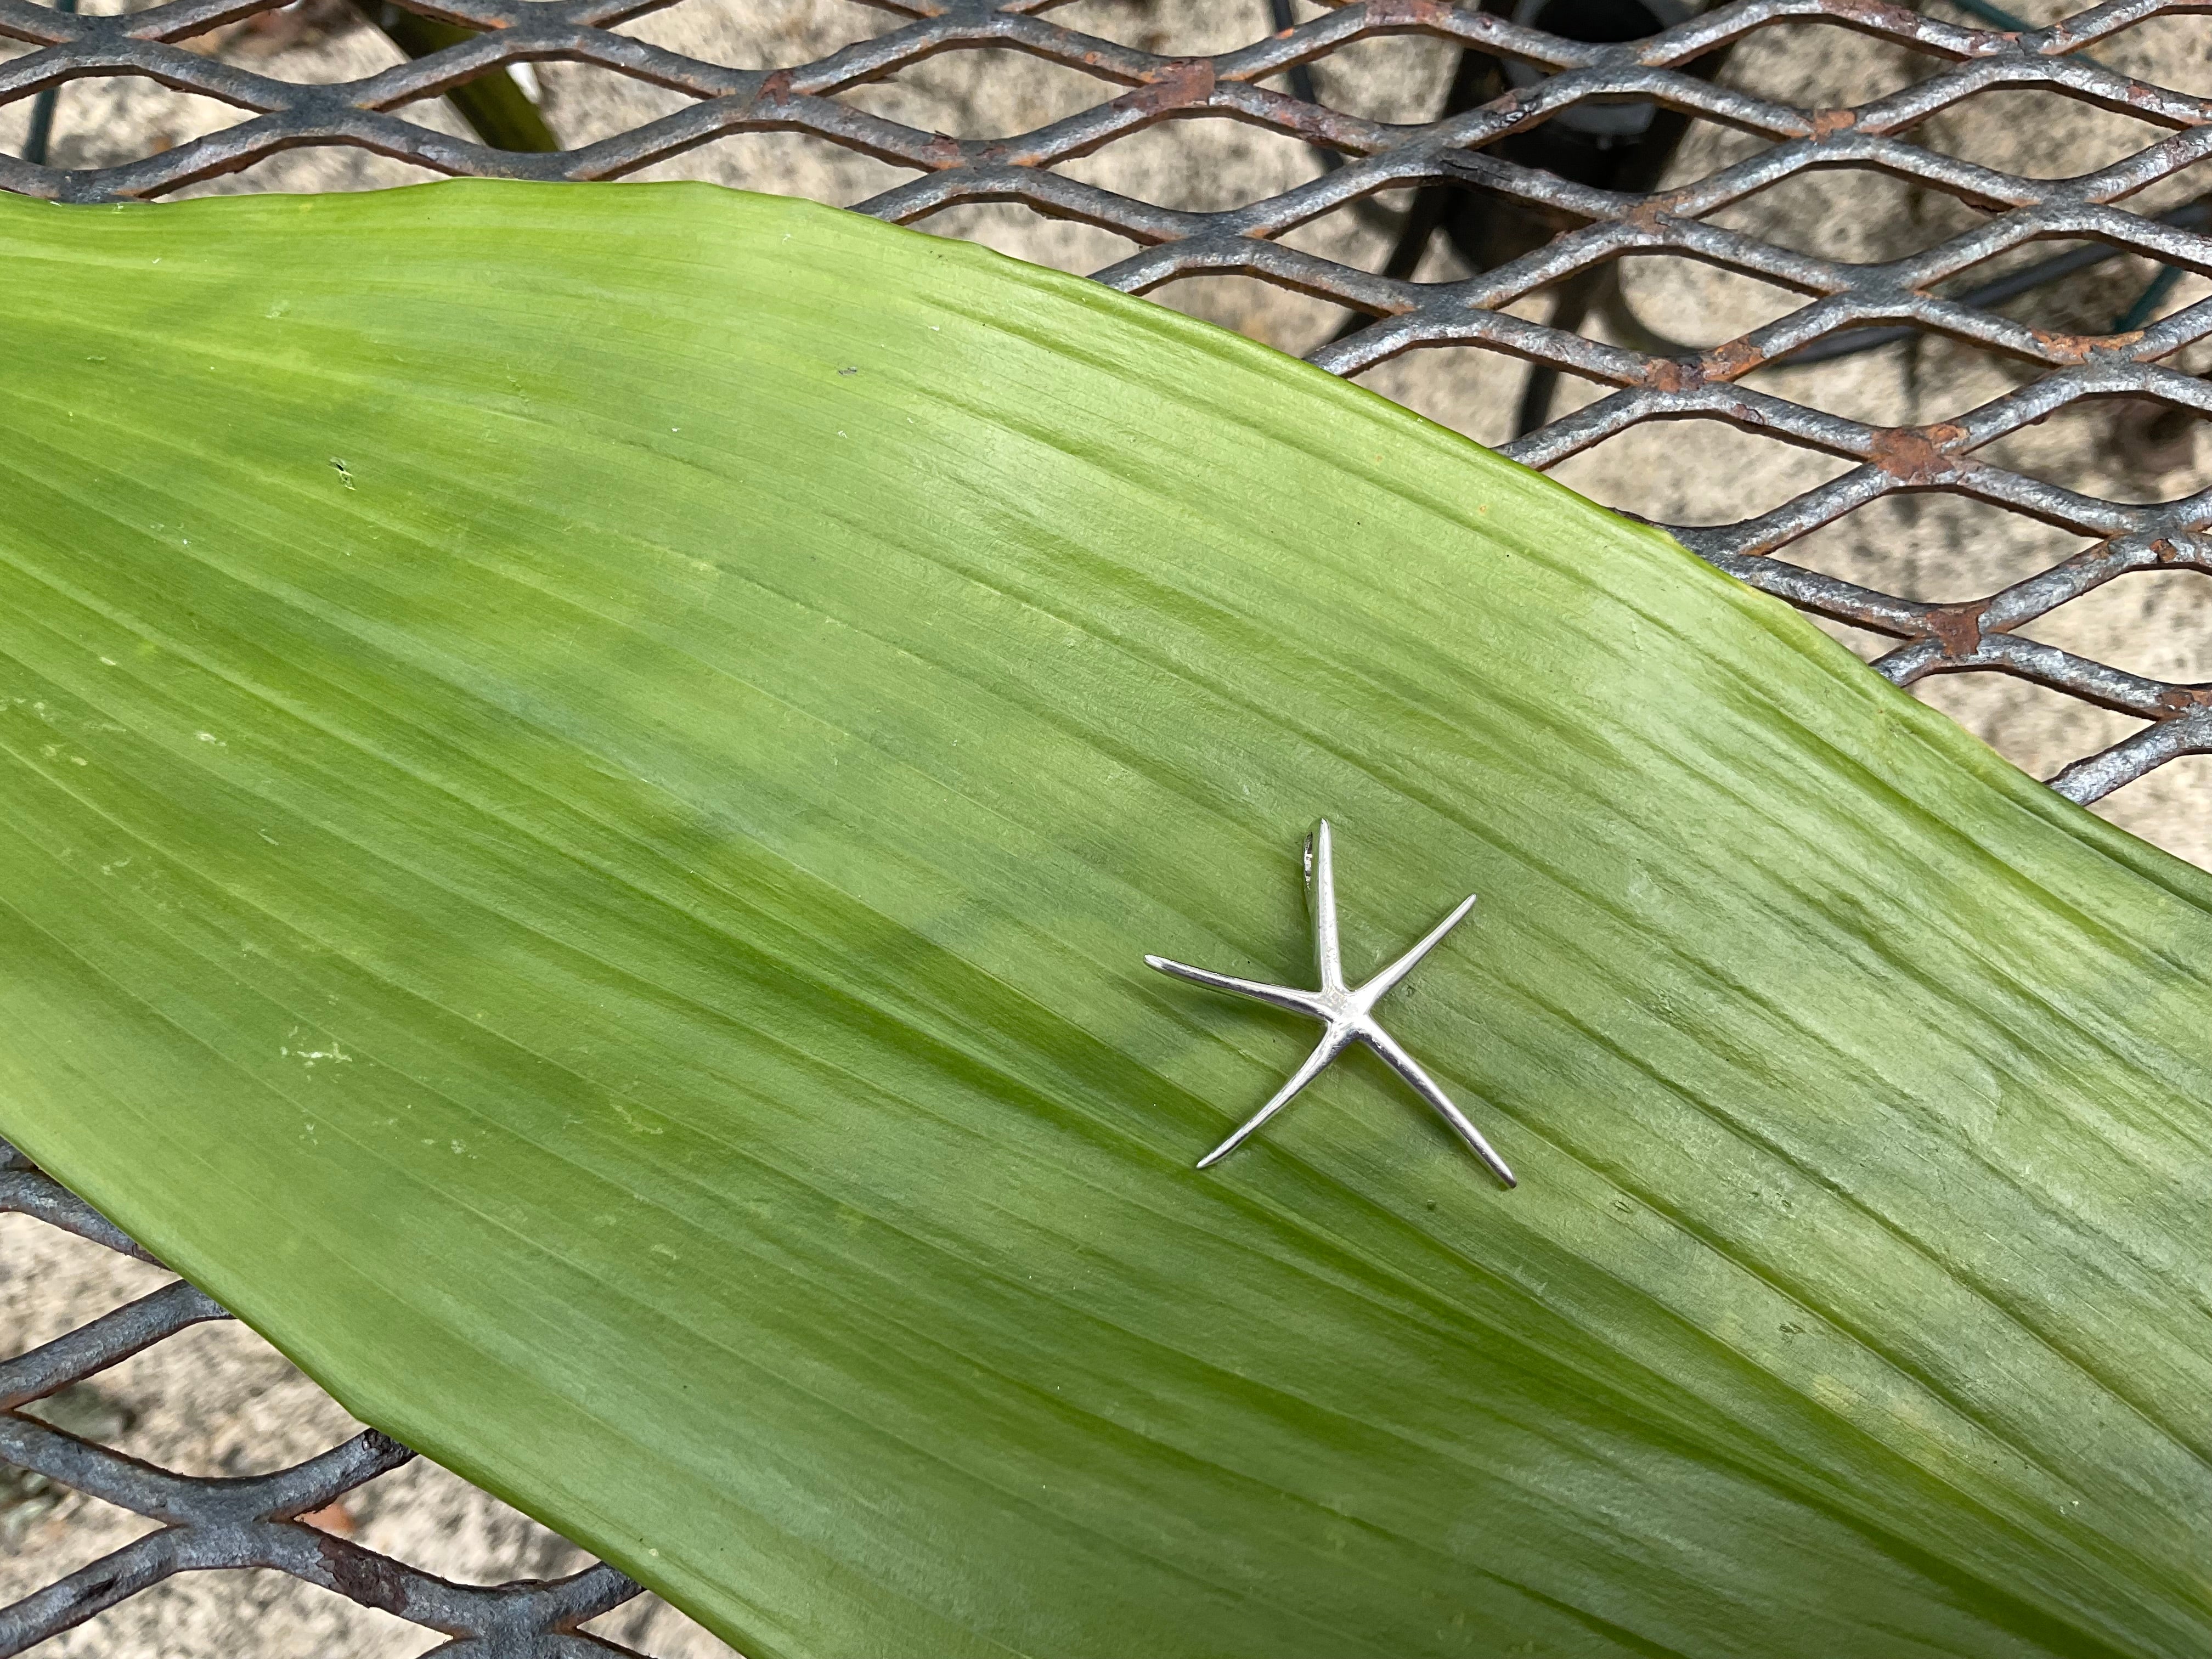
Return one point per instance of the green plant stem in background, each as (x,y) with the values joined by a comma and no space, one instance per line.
(493,103)
(40,135)
(589,772)
(2146,304)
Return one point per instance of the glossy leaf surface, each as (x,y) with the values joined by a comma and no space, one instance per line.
(587,774)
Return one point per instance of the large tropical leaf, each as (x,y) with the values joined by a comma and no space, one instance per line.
(588,776)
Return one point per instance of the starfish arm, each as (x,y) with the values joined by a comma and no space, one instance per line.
(1276,996)
(1372,992)
(1331,1045)
(1321,899)
(1425,1086)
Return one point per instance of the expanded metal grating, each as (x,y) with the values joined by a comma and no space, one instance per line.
(1546,167)
(246,1522)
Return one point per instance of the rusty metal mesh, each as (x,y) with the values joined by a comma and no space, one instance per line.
(1549,232)
(241,1522)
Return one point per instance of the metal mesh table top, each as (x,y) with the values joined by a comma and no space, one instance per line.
(1546,164)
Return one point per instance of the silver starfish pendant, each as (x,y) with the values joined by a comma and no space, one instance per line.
(1346,1012)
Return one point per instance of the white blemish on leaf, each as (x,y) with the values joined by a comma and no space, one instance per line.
(210,736)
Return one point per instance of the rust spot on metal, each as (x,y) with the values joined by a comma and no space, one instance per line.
(1957,628)
(1674,375)
(1916,454)
(362,1577)
(1726,363)
(1828,122)
(2066,348)
(1401,14)
(2077,348)
(2183,700)
(1183,82)
(1877,11)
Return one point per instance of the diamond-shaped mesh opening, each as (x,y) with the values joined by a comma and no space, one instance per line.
(1064,243)
(1739,474)
(1197,165)
(591,103)
(1365,237)
(1861,214)
(2036,134)
(122,117)
(68,1532)
(2170,51)
(2137,450)
(1821,63)
(769,34)
(2129,623)
(1670,304)
(1295,322)
(1935,548)
(1894,316)
(1473,392)
(304,171)
(1399,78)
(978,94)
(276,1418)
(780,163)
(2066,285)
(1159,26)
(2020,716)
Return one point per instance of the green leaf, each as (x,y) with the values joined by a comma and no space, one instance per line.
(588,774)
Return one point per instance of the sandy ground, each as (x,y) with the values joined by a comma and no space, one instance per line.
(218,1400)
